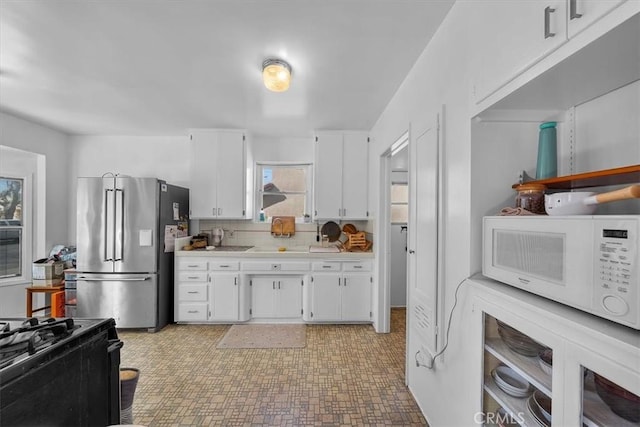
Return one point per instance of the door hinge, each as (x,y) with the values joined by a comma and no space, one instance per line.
(191,137)
(312,314)
(371,279)
(368,140)
(312,278)
(243,137)
(367,213)
(316,139)
(301,282)
(243,212)
(250,311)
(301,311)
(370,314)
(250,282)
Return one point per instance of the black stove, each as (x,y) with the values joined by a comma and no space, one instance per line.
(69,366)
(20,339)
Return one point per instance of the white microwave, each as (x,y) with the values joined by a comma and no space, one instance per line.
(591,263)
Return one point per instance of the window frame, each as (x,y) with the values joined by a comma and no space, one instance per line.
(27,226)
(258,193)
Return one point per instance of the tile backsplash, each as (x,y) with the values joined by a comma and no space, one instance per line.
(248,233)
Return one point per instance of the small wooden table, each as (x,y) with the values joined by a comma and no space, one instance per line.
(40,289)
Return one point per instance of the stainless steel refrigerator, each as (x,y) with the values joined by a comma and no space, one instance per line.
(124,271)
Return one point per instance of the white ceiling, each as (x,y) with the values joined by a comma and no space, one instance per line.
(160,67)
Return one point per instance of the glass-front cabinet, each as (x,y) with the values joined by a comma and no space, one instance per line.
(545,364)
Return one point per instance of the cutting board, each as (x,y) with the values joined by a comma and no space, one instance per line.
(288,227)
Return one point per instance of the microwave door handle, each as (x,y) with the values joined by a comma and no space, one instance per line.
(118,237)
(109,203)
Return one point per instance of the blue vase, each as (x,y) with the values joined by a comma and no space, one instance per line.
(547,166)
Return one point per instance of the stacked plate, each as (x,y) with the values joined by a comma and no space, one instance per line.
(539,406)
(517,341)
(510,382)
(545,359)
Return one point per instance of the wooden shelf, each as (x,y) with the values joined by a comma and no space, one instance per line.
(615,176)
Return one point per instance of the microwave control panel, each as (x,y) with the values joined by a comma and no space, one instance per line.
(616,263)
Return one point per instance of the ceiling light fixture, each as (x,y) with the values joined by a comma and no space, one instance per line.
(276,74)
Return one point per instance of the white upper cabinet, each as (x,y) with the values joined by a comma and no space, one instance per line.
(341,175)
(512,36)
(218,174)
(582,13)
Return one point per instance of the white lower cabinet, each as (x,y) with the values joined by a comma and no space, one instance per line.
(276,297)
(340,297)
(223,301)
(205,291)
(234,289)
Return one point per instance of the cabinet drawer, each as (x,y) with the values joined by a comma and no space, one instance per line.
(192,312)
(196,292)
(186,264)
(356,266)
(193,276)
(327,266)
(224,266)
(275,266)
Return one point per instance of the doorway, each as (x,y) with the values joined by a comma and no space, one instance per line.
(394,163)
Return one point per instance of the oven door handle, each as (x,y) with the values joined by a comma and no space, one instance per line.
(114,345)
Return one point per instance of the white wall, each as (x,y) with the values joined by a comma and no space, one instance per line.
(440,76)
(283,149)
(54,146)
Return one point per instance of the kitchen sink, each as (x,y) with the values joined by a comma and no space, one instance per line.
(274,249)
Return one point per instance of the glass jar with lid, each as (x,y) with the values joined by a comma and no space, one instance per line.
(531,197)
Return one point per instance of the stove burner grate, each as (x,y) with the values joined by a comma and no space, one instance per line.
(30,337)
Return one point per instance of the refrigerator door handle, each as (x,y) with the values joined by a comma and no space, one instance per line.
(109,239)
(120,279)
(118,236)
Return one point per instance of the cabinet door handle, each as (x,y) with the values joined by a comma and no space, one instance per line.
(278,284)
(345,282)
(193,292)
(220,209)
(192,311)
(411,251)
(214,211)
(192,265)
(273,285)
(344,211)
(224,266)
(192,277)
(339,281)
(573,10)
(547,22)
(235,281)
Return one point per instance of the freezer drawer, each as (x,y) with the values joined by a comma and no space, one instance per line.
(131,299)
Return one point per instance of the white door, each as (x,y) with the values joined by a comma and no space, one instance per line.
(325,297)
(202,185)
(289,297)
(356,297)
(262,297)
(224,296)
(423,235)
(355,176)
(327,174)
(231,170)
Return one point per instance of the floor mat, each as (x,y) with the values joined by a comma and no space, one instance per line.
(264,336)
